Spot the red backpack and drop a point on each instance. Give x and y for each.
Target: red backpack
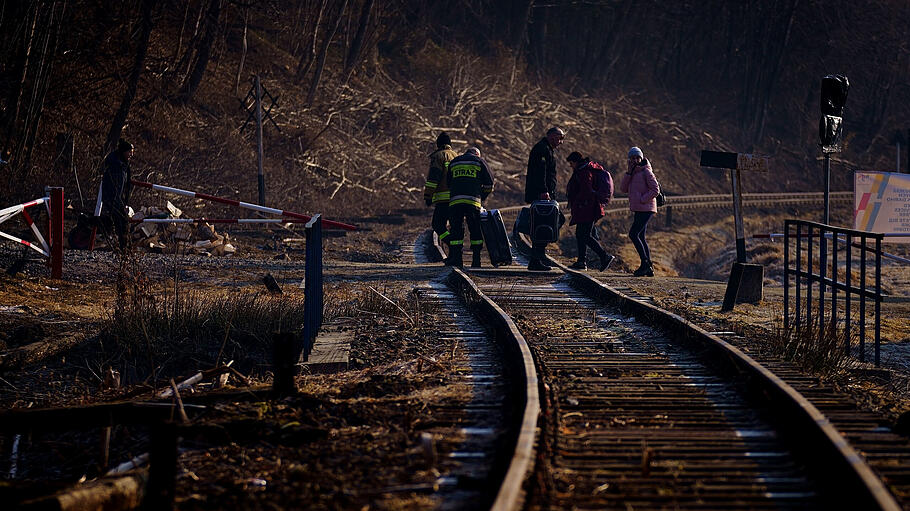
(603, 183)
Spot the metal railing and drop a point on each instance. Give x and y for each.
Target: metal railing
(312, 286)
(817, 237)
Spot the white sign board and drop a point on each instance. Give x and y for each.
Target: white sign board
(881, 203)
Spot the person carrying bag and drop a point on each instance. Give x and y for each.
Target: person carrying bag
(641, 185)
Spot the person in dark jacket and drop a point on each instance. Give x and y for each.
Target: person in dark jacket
(470, 182)
(589, 191)
(436, 191)
(540, 184)
(641, 185)
(116, 189)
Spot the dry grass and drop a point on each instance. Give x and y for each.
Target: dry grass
(818, 351)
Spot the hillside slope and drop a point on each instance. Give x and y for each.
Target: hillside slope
(359, 148)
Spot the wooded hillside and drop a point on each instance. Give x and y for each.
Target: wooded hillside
(364, 86)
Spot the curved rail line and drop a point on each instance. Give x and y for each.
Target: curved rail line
(782, 452)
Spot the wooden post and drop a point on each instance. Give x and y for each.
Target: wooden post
(259, 140)
(738, 216)
(284, 348)
(56, 232)
(162, 467)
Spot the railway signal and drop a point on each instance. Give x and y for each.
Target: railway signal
(831, 126)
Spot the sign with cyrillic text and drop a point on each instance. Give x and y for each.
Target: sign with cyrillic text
(882, 204)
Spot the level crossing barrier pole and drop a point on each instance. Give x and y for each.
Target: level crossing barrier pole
(312, 286)
(240, 204)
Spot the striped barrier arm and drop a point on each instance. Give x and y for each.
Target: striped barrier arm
(219, 221)
(241, 204)
(10, 212)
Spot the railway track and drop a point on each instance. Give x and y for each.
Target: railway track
(705, 201)
(671, 417)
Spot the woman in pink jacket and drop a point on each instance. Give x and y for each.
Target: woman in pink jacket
(641, 185)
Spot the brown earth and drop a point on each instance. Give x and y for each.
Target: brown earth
(350, 439)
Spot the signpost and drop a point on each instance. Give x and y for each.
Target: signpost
(745, 284)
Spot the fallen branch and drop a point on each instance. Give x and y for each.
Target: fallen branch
(180, 410)
(189, 382)
(386, 298)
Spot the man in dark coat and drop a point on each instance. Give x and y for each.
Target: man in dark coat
(540, 184)
(115, 191)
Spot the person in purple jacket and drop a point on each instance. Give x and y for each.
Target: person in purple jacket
(641, 185)
(589, 191)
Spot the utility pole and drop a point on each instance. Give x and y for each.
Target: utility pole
(256, 111)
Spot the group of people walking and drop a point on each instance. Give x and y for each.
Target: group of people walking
(457, 185)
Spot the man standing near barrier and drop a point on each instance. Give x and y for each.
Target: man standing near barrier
(115, 192)
(470, 182)
(436, 191)
(540, 184)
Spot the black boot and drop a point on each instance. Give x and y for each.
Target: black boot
(579, 265)
(541, 256)
(645, 270)
(536, 265)
(475, 260)
(454, 258)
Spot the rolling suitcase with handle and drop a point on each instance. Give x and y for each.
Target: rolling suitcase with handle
(495, 237)
(545, 221)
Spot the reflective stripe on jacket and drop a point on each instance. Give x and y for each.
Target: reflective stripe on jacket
(469, 180)
(436, 188)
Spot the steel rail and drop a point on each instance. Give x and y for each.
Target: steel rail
(510, 496)
(718, 200)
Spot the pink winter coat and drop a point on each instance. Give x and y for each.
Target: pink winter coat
(642, 188)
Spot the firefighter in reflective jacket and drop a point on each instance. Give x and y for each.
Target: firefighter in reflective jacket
(436, 191)
(470, 181)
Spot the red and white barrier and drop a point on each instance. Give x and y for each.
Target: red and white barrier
(219, 221)
(245, 205)
(51, 248)
(10, 212)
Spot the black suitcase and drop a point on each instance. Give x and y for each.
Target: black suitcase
(523, 222)
(495, 237)
(545, 221)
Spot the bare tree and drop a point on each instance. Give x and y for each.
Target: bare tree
(203, 51)
(146, 24)
(323, 53)
(354, 52)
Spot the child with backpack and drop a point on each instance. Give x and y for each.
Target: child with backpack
(589, 191)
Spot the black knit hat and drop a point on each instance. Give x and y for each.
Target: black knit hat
(575, 156)
(443, 140)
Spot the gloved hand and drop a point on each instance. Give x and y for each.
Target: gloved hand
(428, 201)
